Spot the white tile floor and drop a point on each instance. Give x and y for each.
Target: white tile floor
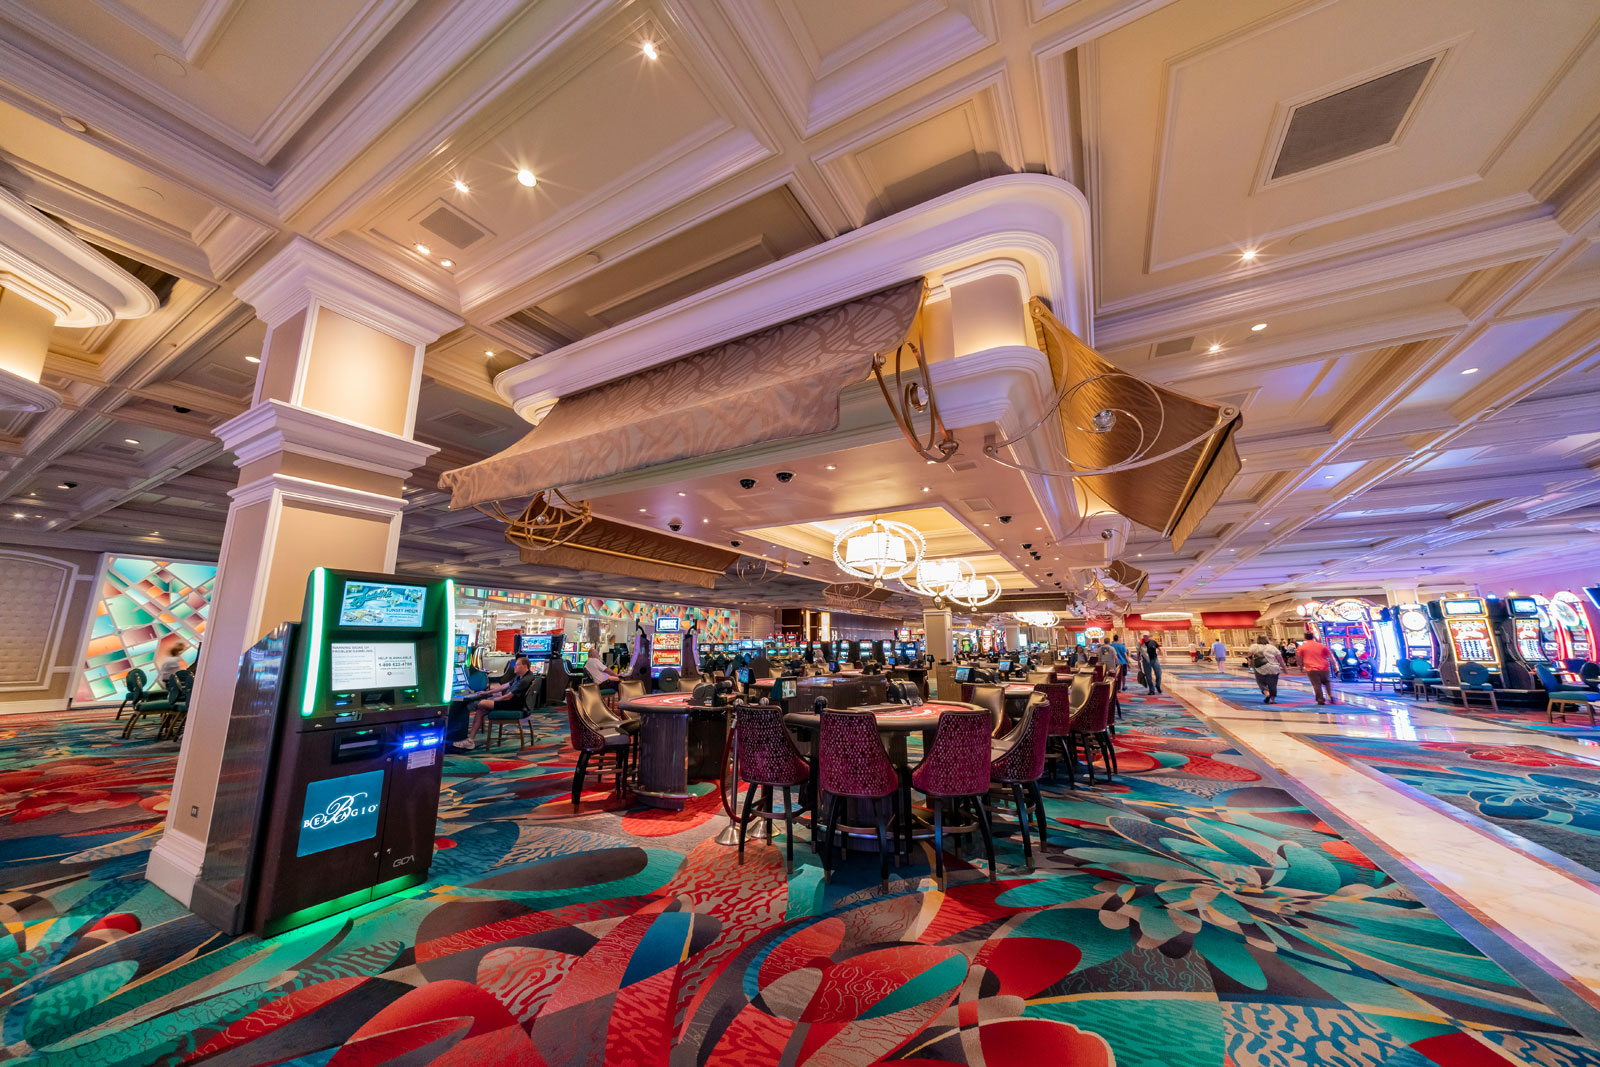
(1554, 914)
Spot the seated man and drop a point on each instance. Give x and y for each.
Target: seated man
(600, 674)
(501, 696)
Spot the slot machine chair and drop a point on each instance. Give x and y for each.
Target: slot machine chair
(500, 718)
(1474, 678)
(1564, 698)
(1423, 676)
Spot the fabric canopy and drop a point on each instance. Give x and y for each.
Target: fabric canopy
(777, 384)
(1171, 495)
(617, 548)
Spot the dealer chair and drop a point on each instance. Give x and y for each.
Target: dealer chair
(590, 741)
(593, 703)
(1091, 728)
(1057, 712)
(991, 698)
(668, 681)
(1474, 678)
(1563, 697)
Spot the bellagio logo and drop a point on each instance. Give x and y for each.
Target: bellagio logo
(340, 811)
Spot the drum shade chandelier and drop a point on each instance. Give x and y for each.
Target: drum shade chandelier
(1041, 619)
(973, 592)
(878, 550)
(932, 577)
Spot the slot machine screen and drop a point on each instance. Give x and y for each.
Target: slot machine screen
(1530, 642)
(534, 645)
(1523, 605)
(1463, 607)
(1471, 641)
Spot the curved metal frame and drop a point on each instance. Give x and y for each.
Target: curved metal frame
(916, 397)
(542, 524)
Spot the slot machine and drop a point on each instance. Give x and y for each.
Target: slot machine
(1345, 626)
(331, 765)
(666, 645)
(1516, 629)
(1465, 635)
(1403, 633)
(1573, 634)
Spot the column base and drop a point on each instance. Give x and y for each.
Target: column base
(175, 863)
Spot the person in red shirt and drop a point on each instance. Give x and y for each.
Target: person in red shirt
(1315, 659)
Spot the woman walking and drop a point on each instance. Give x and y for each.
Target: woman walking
(1267, 663)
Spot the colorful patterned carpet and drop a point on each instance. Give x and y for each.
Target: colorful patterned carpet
(1190, 915)
(1544, 796)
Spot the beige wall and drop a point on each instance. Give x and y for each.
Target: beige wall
(309, 538)
(281, 360)
(356, 373)
(48, 593)
(24, 335)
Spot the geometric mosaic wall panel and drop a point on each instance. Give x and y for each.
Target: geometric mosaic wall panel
(142, 606)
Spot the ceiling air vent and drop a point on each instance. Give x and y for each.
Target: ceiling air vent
(461, 422)
(450, 226)
(978, 503)
(1175, 347)
(1354, 120)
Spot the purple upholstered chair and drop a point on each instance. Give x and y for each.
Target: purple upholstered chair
(1091, 727)
(591, 739)
(1058, 712)
(956, 767)
(768, 759)
(1017, 760)
(852, 763)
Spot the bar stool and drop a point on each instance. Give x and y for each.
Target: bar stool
(852, 764)
(590, 739)
(956, 767)
(768, 759)
(1017, 761)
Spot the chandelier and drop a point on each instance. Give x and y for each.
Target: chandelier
(878, 550)
(1041, 619)
(932, 577)
(973, 592)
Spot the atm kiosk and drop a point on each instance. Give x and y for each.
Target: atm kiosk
(1465, 636)
(329, 791)
(1516, 629)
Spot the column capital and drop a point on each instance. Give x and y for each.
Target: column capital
(273, 426)
(305, 273)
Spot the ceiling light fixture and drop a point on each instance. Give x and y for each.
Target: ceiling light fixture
(925, 488)
(75, 125)
(1258, 327)
(1214, 347)
(526, 178)
(830, 467)
(1470, 370)
(252, 359)
(649, 50)
(682, 493)
(461, 186)
(424, 249)
(1248, 255)
(130, 440)
(878, 549)
(447, 263)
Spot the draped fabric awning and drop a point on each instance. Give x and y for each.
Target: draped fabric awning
(617, 548)
(1128, 576)
(1172, 494)
(777, 384)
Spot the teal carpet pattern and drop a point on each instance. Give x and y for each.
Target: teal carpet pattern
(1188, 913)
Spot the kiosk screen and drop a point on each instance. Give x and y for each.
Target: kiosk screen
(390, 665)
(381, 604)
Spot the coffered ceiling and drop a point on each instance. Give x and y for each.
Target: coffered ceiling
(1405, 195)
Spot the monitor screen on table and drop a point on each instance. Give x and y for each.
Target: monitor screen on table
(1005, 665)
(963, 673)
(788, 687)
(746, 676)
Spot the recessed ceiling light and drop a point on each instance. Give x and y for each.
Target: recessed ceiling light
(1470, 370)
(705, 520)
(424, 249)
(1214, 347)
(130, 440)
(75, 125)
(1328, 477)
(66, 485)
(461, 186)
(682, 493)
(643, 510)
(447, 263)
(18, 515)
(489, 352)
(1258, 327)
(649, 50)
(1248, 254)
(830, 467)
(252, 359)
(526, 178)
(925, 488)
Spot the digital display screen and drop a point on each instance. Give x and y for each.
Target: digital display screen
(535, 644)
(1530, 642)
(340, 811)
(667, 624)
(1523, 605)
(963, 673)
(1463, 607)
(1005, 665)
(388, 665)
(787, 687)
(746, 676)
(1471, 641)
(381, 604)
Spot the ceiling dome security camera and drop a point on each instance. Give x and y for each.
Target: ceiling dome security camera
(674, 525)
(1106, 535)
(1005, 518)
(785, 476)
(735, 544)
(747, 483)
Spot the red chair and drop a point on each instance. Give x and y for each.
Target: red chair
(956, 767)
(769, 759)
(1091, 726)
(1017, 761)
(852, 763)
(591, 739)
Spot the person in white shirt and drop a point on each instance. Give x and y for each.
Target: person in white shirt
(172, 662)
(599, 673)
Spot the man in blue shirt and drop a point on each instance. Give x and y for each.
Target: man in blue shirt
(1120, 649)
